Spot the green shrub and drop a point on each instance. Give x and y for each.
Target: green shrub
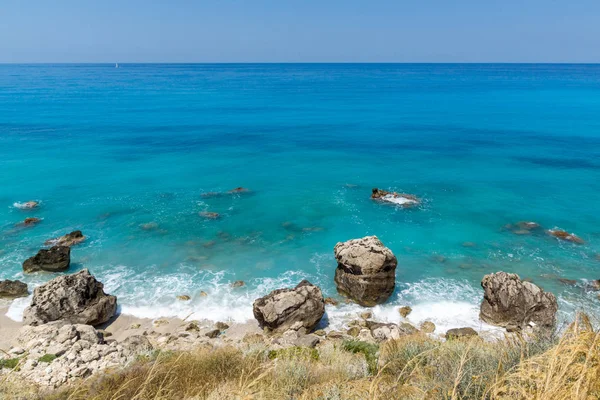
(47, 358)
(9, 363)
(369, 350)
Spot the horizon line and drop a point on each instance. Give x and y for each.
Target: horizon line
(298, 62)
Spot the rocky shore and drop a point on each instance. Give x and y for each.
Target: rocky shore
(72, 330)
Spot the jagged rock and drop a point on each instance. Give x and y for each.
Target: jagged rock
(55, 259)
(404, 311)
(366, 270)
(460, 333)
(283, 309)
(13, 289)
(77, 298)
(183, 297)
(401, 199)
(70, 239)
(510, 302)
(238, 284)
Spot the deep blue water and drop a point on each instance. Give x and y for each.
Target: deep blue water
(108, 149)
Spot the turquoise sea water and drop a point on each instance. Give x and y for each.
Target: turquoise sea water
(108, 149)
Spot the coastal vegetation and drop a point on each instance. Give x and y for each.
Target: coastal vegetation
(411, 367)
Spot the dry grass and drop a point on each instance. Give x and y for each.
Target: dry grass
(414, 367)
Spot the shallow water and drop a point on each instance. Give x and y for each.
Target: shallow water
(108, 150)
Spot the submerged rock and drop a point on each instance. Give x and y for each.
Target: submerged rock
(401, 199)
(564, 235)
(511, 303)
(209, 215)
(13, 289)
(31, 221)
(238, 284)
(70, 239)
(297, 308)
(55, 259)
(238, 190)
(76, 298)
(366, 270)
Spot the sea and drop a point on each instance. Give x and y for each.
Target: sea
(137, 157)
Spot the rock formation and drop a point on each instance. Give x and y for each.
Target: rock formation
(283, 309)
(55, 259)
(366, 270)
(401, 199)
(514, 304)
(68, 240)
(13, 289)
(77, 298)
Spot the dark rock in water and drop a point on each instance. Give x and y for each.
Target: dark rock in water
(184, 297)
(299, 308)
(469, 244)
(209, 215)
(77, 298)
(55, 259)
(13, 289)
(510, 302)
(331, 301)
(460, 333)
(366, 270)
(29, 222)
(239, 190)
(238, 284)
(564, 235)
(524, 228)
(568, 282)
(401, 199)
(70, 239)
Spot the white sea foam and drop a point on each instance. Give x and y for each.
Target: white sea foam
(26, 204)
(399, 200)
(16, 308)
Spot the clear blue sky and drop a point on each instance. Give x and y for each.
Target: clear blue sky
(299, 31)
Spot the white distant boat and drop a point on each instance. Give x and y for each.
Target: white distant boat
(116, 65)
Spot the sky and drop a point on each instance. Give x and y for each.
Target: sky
(299, 31)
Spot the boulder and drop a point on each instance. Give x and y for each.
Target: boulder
(512, 303)
(460, 333)
(427, 327)
(13, 289)
(297, 308)
(387, 331)
(77, 299)
(366, 270)
(68, 240)
(55, 259)
(401, 199)
(404, 311)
